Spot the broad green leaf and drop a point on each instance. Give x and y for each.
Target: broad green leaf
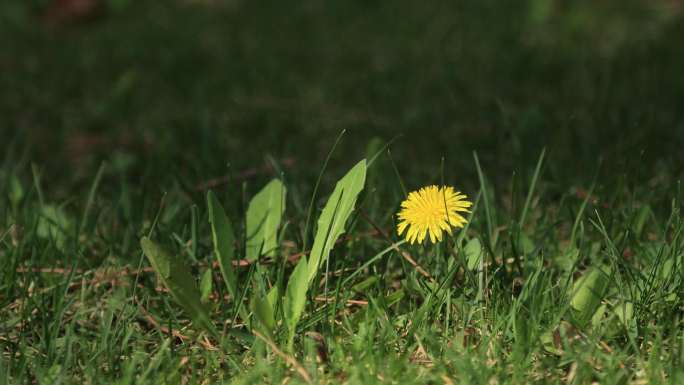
(224, 238)
(335, 214)
(263, 219)
(473, 252)
(625, 312)
(599, 316)
(176, 277)
(263, 309)
(588, 291)
(622, 320)
(295, 298)
(272, 297)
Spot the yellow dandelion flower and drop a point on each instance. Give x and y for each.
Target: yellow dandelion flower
(432, 210)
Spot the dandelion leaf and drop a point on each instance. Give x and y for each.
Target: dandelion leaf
(223, 238)
(334, 216)
(176, 277)
(295, 298)
(264, 214)
(588, 292)
(473, 252)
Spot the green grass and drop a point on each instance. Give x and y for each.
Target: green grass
(570, 270)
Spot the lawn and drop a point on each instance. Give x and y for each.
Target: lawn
(201, 192)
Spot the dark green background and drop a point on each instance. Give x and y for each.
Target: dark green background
(181, 89)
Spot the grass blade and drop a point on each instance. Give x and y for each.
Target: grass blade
(485, 196)
(91, 198)
(528, 200)
(309, 212)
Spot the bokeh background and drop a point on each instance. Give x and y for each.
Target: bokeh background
(185, 91)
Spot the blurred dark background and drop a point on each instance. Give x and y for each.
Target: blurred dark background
(192, 90)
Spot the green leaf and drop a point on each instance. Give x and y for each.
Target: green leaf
(224, 239)
(588, 291)
(625, 312)
(263, 309)
(295, 298)
(176, 277)
(473, 252)
(599, 316)
(272, 297)
(335, 214)
(263, 219)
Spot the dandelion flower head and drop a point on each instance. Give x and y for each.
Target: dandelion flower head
(432, 210)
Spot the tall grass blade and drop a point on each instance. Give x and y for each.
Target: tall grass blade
(485, 196)
(91, 198)
(535, 177)
(309, 212)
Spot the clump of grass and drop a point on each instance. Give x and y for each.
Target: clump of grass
(576, 288)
